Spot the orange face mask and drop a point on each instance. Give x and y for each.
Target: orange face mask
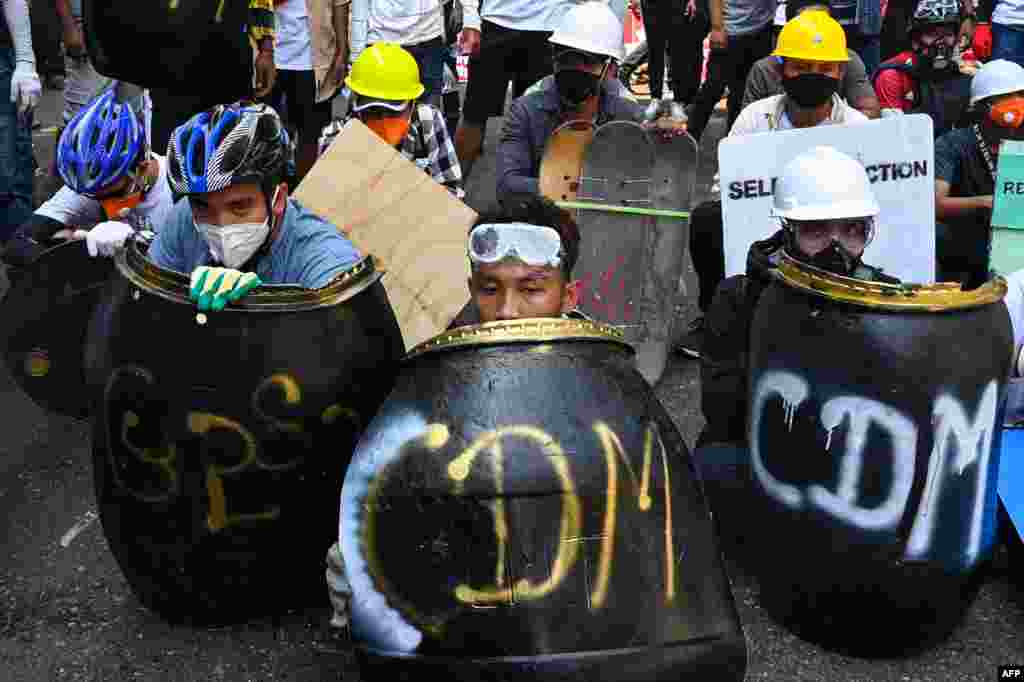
(391, 129)
(114, 205)
(1008, 113)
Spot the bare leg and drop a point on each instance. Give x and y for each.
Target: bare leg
(469, 140)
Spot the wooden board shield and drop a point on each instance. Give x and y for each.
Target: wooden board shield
(46, 317)
(563, 160)
(614, 254)
(414, 228)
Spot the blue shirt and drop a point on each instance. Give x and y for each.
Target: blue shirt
(308, 251)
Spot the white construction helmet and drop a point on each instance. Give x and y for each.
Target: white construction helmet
(824, 184)
(591, 27)
(999, 77)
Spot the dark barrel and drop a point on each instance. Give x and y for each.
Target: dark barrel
(220, 440)
(46, 314)
(874, 445)
(522, 508)
(190, 39)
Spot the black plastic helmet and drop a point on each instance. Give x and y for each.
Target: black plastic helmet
(227, 145)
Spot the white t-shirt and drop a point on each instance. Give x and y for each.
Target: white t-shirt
(526, 15)
(769, 114)
(293, 44)
(75, 210)
(404, 21)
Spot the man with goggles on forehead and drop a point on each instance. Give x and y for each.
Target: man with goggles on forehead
(237, 228)
(585, 48)
(111, 180)
(521, 260)
(824, 201)
(385, 84)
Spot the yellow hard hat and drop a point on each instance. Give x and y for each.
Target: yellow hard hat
(385, 71)
(813, 35)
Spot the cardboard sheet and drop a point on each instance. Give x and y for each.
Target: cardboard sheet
(414, 228)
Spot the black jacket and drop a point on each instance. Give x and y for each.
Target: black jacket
(724, 365)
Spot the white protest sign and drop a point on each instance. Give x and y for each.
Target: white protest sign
(899, 156)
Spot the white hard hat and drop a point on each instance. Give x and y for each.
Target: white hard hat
(591, 27)
(998, 77)
(824, 184)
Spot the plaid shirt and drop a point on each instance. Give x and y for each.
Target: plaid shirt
(427, 144)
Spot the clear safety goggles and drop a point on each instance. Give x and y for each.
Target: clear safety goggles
(362, 103)
(854, 234)
(535, 245)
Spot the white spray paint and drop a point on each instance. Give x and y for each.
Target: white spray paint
(971, 439)
(973, 443)
(372, 618)
(793, 390)
(842, 504)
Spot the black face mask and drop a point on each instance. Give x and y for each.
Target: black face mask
(810, 90)
(575, 86)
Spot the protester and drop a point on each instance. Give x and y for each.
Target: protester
(521, 261)
(965, 170)
(681, 27)
(19, 78)
(585, 46)
(862, 22)
(82, 82)
(311, 57)
(386, 85)
(238, 228)
(828, 213)
(1008, 31)
(242, 77)
(927, 79)
(419, 26)
(508, 44)
(813, 50)
(738, 39)
(46, 35)
(111, 181)
(765, 77)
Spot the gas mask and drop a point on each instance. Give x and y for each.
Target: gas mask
(575, 84)
(834, 258)
(937, 56)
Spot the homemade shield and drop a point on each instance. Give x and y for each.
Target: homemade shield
(634, 194)
(191, 39)
(522, 508)
(414, 228)
(874, 450)
(220, 440)
(1006, 251)
(562, 162)
(46, 314)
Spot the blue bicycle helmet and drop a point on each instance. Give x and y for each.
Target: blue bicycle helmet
(102, 143)
(227, 145)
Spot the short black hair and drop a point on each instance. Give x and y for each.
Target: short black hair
(794, 7)
(537, 210)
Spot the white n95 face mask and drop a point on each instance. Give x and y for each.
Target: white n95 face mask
(235, 244)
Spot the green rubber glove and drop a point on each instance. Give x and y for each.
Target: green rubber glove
(214, 288)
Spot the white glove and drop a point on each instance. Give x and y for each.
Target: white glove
(108, 237)
(25, 87)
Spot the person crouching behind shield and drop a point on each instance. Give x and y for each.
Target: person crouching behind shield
(385, 84)
(521, 260)
(828, 212)
(237, 228)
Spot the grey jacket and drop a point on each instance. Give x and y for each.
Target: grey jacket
(529, 124)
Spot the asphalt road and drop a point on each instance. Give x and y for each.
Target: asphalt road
(66, 612)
